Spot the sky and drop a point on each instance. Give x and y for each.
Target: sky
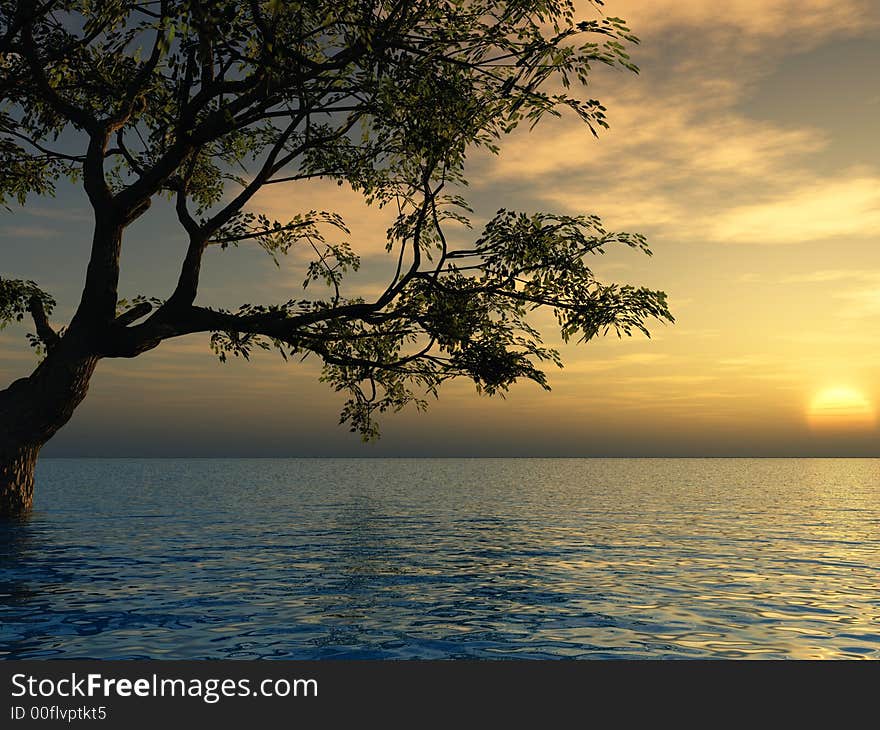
(745, 150)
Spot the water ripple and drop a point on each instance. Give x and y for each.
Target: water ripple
(399, 559)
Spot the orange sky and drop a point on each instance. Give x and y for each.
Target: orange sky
(746, 151)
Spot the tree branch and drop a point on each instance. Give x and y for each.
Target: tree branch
(67, 109)
(133, 314)
(45, 332)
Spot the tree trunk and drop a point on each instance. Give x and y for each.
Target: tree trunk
(31, 411)
(17, 481)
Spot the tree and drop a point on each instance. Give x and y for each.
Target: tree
(208, 101)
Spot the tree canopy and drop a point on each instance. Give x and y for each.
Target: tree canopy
(208, 101)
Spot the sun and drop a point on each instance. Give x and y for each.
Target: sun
(841, 407)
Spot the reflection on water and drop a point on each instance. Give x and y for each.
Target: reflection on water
(494, 558)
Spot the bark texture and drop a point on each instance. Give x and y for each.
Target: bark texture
(17, 481)
(32, 409)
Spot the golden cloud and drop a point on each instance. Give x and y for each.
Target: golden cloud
(817, 211)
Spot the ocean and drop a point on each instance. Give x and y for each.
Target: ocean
(445, 559)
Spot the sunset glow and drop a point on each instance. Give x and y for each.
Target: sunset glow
(841, 407)
(761, 206)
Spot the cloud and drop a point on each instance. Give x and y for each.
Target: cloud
(860, 303)
(643, 358)
(28, 232)
(748, 362)
(827, 209)
(684, 158)
(673, 166)
(59, 214)
(832, 339)
(671, 170)
(820, 276)
(697, 333)
(831, 275)
(674, 160)
(588, 365)
(672, 379)
(668, 139)
(367, 223)
(761, 19)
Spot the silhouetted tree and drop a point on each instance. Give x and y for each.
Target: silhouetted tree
(208, 101)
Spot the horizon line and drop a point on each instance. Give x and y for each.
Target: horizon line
(368, 458)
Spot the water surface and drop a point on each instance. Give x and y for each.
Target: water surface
(445, 558)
